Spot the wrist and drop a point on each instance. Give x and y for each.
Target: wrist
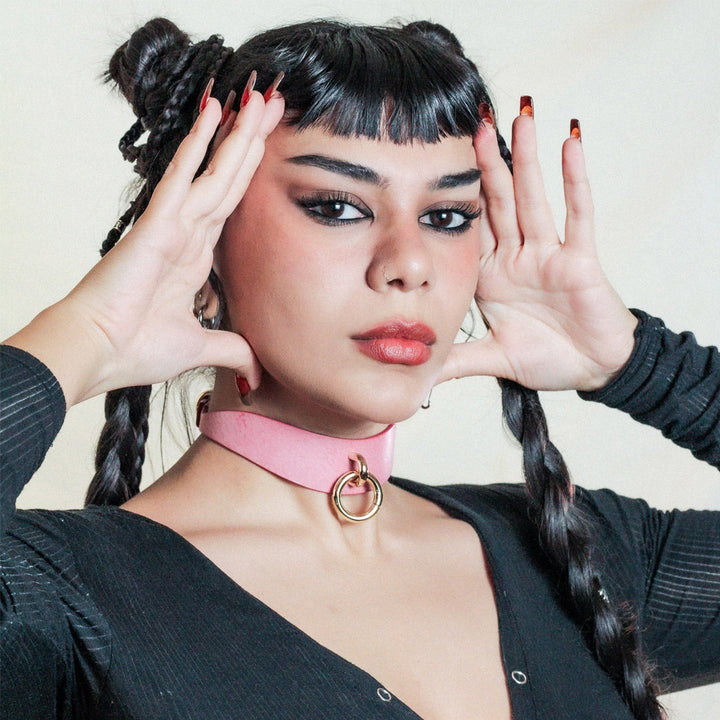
(70, 348)
(622, 349)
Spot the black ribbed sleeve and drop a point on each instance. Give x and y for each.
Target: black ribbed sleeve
(32, 410)
(671, 383)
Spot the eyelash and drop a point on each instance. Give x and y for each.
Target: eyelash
(308, 202)
(466, 210)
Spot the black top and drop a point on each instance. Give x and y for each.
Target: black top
(106, 614)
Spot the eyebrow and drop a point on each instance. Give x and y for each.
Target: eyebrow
(462, 179)
(368, 175)
(351, 170)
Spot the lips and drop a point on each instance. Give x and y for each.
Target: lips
(397, 342)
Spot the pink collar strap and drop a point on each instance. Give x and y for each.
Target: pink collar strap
(317, 462)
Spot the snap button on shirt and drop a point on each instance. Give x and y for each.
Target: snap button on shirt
(519, 677)
(384, 695)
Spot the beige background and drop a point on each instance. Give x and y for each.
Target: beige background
(641, 76)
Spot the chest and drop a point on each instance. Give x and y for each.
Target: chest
(252, 635)
(421, 622)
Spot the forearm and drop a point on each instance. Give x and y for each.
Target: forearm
(671, 383)
(63, 341)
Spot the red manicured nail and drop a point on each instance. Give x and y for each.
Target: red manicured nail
(575, 129)
(206, 95)
(248, 89)
(487, 116)
(243, 385)
(227, 107)
(526, 106)
(274, 85)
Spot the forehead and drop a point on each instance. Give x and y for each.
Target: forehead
(414, 161)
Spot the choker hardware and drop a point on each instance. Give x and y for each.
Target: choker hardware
(357, 477)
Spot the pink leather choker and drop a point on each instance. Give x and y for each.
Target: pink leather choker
(337, 466)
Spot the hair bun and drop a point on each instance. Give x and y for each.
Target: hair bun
(439, 33)
(143, 66)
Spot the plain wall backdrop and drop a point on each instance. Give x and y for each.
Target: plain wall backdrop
(641, 76)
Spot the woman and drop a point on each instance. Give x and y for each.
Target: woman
(346, 262)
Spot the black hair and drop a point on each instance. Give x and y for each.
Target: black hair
(403, 83)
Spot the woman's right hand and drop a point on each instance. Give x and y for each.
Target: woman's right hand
(130, 320)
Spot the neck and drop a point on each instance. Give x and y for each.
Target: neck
(281, 403)
(308, 459)
(335, 466)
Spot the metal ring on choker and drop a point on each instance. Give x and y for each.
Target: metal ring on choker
(357, 477)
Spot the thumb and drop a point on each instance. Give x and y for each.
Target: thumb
(477, 357)
(230, 350)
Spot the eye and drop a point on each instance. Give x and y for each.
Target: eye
(445, 219)
(451, 219)
(334, 208)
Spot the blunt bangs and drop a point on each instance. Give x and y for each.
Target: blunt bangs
(401, 83)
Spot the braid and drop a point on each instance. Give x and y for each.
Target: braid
(565, 536)
(160, 72)
(128, 140)
(205, 60)
(121, 448)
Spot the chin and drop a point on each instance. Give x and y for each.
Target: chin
(388, 408)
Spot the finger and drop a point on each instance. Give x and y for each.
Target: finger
(181, 170)
(227, 120)
(231, 153)
(533, 211)
(579, 221)
(496, 181)
(488, 241)
(228, 349)
(273, 113)
(220, 188)
(478, 357)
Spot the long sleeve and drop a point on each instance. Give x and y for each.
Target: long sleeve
(667, 563)
(32, 410)
(673, 384)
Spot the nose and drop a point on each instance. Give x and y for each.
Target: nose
(402, 259)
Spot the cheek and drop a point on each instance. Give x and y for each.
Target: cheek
(461, 275)
(278, 291)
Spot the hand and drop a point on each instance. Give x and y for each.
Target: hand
(130, 320)
(554, 321)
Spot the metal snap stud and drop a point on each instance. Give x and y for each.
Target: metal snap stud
(519, 677)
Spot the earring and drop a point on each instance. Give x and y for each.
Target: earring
(200, 307)
(426, 404)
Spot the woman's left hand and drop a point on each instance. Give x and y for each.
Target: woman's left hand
(554, 321)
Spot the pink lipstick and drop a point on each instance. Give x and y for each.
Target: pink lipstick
(397, 342)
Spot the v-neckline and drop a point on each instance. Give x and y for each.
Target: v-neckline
(427, 492)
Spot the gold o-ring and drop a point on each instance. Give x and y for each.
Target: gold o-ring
(357, 477)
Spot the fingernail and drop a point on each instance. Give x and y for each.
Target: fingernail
(575, 129)
(486, 114)
(274, 85)
(206, 95)
(243, 385)
(526, 106)
(248, 89)
(227, 107)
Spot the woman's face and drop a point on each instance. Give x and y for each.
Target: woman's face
(349, 267)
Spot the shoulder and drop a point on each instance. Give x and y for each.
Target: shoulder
(618, 525)
(54, 540)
